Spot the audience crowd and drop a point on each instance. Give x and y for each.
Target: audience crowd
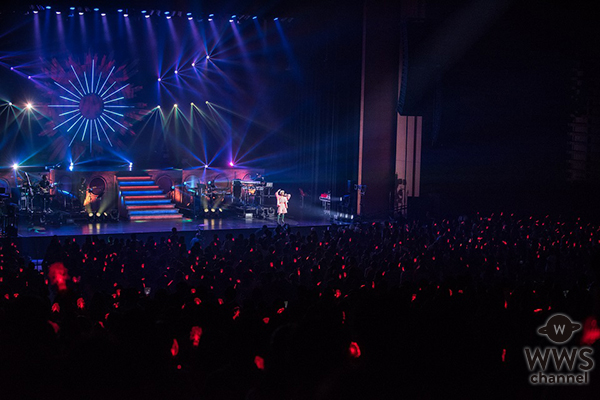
(415, 310)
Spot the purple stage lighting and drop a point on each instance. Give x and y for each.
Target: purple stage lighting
(176, 72)
(231, 163)
(126, 15)
(80, 12)
(168, 17)
(103, 14)
(193, 64)
(210, 20)
(230, 20)
(147, 16)
(29, 77)
(159, 79)
(58, 13)
(208, 57)
(190, 18)
(12, 68)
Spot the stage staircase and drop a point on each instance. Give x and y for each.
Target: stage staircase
(143, 199)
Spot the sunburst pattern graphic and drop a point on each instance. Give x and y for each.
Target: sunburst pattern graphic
(90, 102)
(93, 106)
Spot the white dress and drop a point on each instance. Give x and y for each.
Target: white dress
(282, 203)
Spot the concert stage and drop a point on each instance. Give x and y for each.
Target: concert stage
(35, 239)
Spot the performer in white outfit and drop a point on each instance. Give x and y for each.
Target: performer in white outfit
(282, 205)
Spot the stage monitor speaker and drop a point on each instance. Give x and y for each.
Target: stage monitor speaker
(237, 188)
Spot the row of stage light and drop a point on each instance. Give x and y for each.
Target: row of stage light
(30, 106)
(16, 166)
(149, 13)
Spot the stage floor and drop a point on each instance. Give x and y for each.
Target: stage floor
(157, 226)
(34, 240)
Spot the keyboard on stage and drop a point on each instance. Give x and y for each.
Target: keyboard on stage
(256, 183)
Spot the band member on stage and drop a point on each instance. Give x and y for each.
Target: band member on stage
(44, 186)
(282, 205)
(82, 191)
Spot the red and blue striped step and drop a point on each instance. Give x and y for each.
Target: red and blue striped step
(143, 199)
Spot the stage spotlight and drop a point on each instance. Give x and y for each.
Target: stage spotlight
(72, 8)
(98, 214)
(35, 11)
(168, 17)
(10, 103)
(48, 7)
(188, 14)
(192, 103)
(159, 79)
(167, 12)
(12, 68)
(80, 12)
(190, 18)
(96, 9)
(175, 105)
(230, 20)
(233, 16)
(143, 11)
(211, 15)
(158, 106)
(254, 17)
(28, 106)
(193, 64)
(212, 210)
(275, 19)
(206, 210)
(206, 101)
(58, 13)
(15, 166)
(210, 20)
(205, 166)
(28, 77)
(103, 14)
(130, 166)
(120, 10)
(126, 15)
(147, 16)
(176, 72)
(71, 166)
(91, 215)
(208, 56)
(231, 163)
